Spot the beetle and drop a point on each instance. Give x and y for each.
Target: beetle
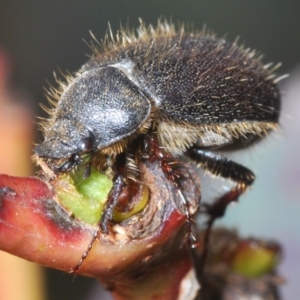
(162, 94)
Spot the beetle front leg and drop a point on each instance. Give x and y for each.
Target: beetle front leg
(111, 203)
(107, 213)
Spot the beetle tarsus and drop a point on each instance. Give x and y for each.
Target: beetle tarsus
(87, 251)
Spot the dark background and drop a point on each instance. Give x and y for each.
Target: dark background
(45, 36)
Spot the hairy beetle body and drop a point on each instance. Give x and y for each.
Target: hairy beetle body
(163, 94)
(201, 88)
(196, 89)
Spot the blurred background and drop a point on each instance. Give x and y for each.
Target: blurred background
(39, 37)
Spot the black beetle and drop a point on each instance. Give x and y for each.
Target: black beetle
(162, 94)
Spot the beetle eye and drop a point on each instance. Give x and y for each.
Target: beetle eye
(86, 144)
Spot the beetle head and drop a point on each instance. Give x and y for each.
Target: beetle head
(100, 110)
(65, 143)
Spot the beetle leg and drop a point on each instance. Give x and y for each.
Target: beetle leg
(111, 203)
(73, 161)
(221, 166)
(215, 211)
(226, 168)
(109, 206)
(127, 170)
(175, 172)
